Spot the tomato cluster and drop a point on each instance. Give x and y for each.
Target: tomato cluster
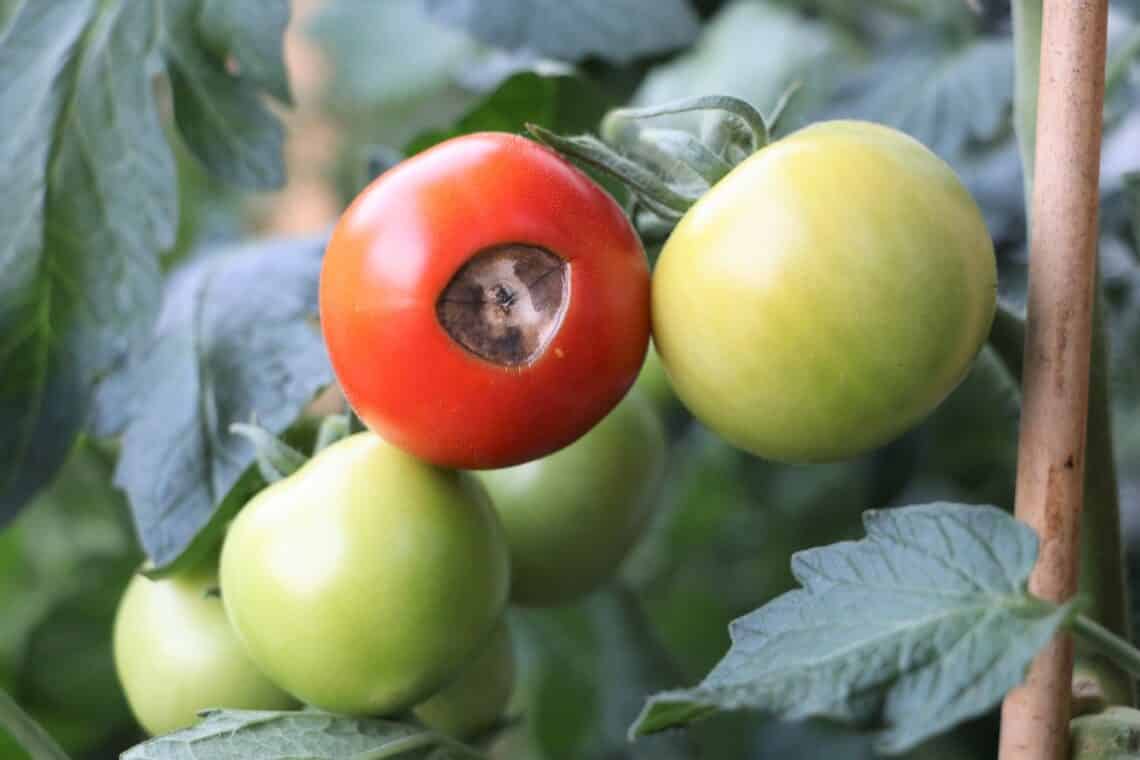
(486, 307)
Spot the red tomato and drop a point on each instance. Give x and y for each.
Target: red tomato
(484, 303)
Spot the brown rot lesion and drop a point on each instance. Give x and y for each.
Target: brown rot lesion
(506, 303)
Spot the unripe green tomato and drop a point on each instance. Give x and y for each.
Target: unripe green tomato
(365, 580)
(654, 383)
(176, 654)
(474, 700)
(825, 295)
(572, 517)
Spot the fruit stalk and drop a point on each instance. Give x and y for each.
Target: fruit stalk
(1058, 346)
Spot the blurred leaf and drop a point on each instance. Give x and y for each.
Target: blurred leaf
(728, 521)
(88, 199)
(754, 51)
(237, 339)
(64, 563)
(923, 624)
(944, 97)
(386, 51)
(253, 38)
(570, 30)
(220, 115)
(969, 443)
(562, 102)
(312, 735)
(587, 669)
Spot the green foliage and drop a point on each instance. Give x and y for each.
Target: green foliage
(920, 625)
(236, 340)
(65, 561)
(89, 197)
(313, 735)
(570, 30)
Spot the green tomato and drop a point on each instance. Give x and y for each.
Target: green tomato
(654, 383)
(571, 517)
(176, 654)
(473, 701)
(365, 580)
(825, 295)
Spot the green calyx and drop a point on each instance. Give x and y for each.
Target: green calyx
(668, 169)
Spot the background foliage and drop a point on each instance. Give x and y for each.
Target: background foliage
(136, 323)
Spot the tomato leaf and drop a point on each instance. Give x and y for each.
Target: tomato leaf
(753, 51)
(561, 102)
(945, 98)
(922, 624)
(253, 38)
(570, 30)
(220, 115)
(88, 199)
(236, 339)
(313, 735)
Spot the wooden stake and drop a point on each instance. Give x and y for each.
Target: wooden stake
(1055, 383)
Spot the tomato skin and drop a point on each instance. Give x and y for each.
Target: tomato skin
(176, 654)
(653, 382)
(365, 580)
(474, 700)
(826, 295)
(572, 517)
(397, 247)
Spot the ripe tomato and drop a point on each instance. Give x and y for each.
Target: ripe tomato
(484, 303)
(474, 700)
(365, 580)
(572, 517)
(176, 654)
(825, 295)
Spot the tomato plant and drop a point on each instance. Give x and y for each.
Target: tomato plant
(826, 295)
(398, 347)
(571, 517)
(484, 303)
(176, 654)
(317, 569)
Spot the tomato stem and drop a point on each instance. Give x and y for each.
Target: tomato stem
(742, 109)
(27, 733)
(1102, 640)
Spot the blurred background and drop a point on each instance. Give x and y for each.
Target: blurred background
(373, 80)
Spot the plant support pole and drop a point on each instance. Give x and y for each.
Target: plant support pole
(1055, 382)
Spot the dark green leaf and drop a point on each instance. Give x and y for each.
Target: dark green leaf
(587, 670)
(560, 102)
(237, 338)
(87, 200)
(219, 114)
(252, 34)
(945, 98)
(570, 30)
(311, 735)
(924, 623)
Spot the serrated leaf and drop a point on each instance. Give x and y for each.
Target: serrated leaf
(570, 30)
(220, 115)
(311, 735)
(237, 339)
(86, 201)
(943, 97)
(922, 624)
(252, 34)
